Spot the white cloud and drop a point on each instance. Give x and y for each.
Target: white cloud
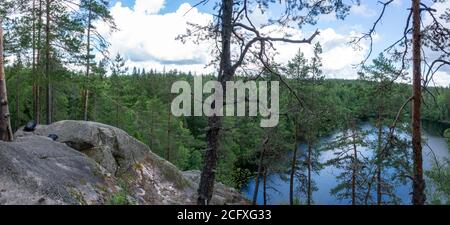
(148, 6)
(338, 56)
(442, 77)
(147, 39)
(362, 10)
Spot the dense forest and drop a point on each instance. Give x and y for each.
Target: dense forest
(138, 101)
(51, 75)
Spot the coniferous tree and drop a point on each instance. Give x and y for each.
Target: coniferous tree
(5, 122)
(94, 11)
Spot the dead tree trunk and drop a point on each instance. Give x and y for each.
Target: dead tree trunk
(5, 123)
(418, 197)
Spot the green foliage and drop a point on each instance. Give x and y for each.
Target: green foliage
(447, 137)
(120, 197)
(139, 103)
(440, 185)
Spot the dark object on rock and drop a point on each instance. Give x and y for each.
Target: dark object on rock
(41, 200)
(30, 127)
(53, 136)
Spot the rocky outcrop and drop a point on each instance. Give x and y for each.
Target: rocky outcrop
(93, 163)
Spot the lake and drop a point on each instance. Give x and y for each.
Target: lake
(278, 188)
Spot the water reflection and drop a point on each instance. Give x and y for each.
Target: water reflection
(435, 148)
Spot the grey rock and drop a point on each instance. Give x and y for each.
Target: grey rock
(35, 167)
(223, 195)
(93, 163)
(111, 147)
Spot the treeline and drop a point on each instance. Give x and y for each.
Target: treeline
(52, 75)
(138, 101)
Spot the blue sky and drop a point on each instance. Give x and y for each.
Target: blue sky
(169, 21)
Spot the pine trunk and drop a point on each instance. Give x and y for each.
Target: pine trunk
(418, 197)
(379, 158)
(260, 170)
(355, 161)
(265, 186)
(293, 168)
(33, 68)
(206, 186)
(88, 66)
(5, 123)
(47, 65)
(309, 174)
(169, 130)
(354, 171)
(37, 100)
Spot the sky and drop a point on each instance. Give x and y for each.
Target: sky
(148, 30)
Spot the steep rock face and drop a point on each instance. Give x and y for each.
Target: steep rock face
(93, 163)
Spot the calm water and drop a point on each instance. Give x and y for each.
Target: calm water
(278, 188)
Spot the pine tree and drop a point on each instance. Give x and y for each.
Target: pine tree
(5, 123)
(93, 11)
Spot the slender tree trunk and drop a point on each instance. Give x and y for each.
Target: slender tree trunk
(354, 171)
(206, 186)
(17, 121)
(169, 130)
(309, 174)
(265, 186)
(52, 96)
(33, 68)
(293, 168)
(47, 65)
(94, 105)
(5, 122)
(259, 174)
(88, 66)
(117, 114)
(418, 197)
(150, 138)
(37, 100)
(355, 161)
(379, 159)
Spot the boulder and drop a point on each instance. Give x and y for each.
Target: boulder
(111, 147)
(93, 163)
(37, 170)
